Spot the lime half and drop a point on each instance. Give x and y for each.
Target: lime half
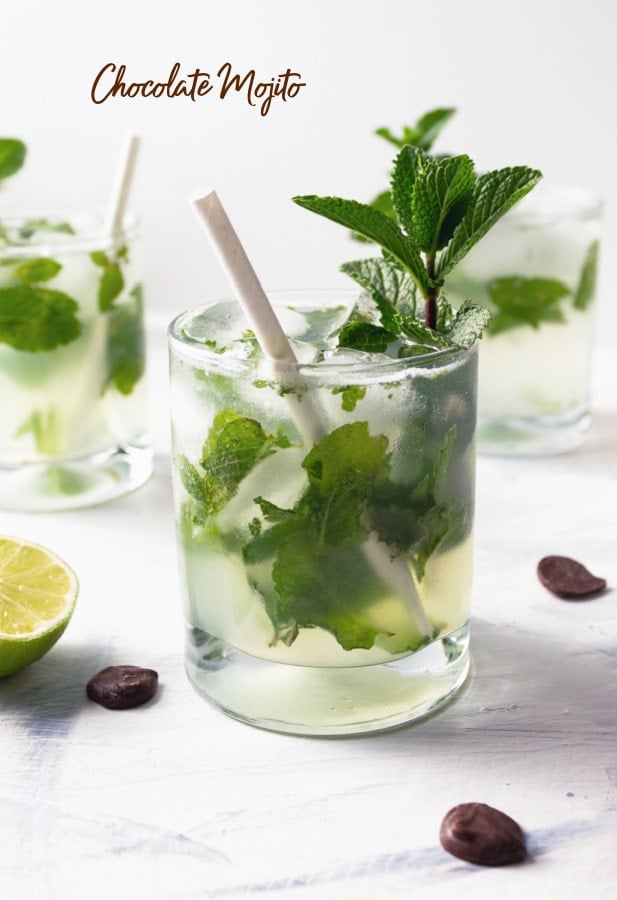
(37, 597)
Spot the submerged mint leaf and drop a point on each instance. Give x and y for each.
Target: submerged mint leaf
(525, 301)
(44, 426)
(234, 446)
(586, 288)
(37, 319)
(350, 395)
(12, 156)
(372, 224)
(126, 344)
(112, 279)
(31, 226)
(35, 270)
(493, 195)
(440, 522)
(441, 193)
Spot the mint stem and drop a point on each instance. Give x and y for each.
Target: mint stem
(430, 303)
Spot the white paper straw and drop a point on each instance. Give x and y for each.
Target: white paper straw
(118, 200)
(273, 341)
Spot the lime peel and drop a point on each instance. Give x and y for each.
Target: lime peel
(38, 592)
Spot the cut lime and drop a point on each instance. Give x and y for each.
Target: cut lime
(37, 597)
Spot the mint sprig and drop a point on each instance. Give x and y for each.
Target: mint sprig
(423, 133)
(525, 301)
(443, 209)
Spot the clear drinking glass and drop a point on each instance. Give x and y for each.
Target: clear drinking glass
(73, 428)
(536, 271)
(326, 577)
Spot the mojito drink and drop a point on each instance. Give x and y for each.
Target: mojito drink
(72, 358)
(326, 570)
(536, 272)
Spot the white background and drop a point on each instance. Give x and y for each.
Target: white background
(533, 81)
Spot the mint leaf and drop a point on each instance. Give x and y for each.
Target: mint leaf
(350, 396)
(37, 319)
(365, 337)
(372, 224)
(586, 288)
(425, 131)
(525, 301)
(234, 446)
(441, 193)
(126, 344)
(403, 180)
(389, 286)
(12, 156)
(44, 426)
(441, 521)
(469, 324)
(493, 195)
(112, 279)
(31, 226)
(36, 270)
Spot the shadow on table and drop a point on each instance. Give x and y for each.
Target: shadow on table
(47, 695)
(526, 694)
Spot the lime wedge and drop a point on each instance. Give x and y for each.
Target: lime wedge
(37, 597)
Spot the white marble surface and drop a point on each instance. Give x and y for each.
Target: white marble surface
(175, 801)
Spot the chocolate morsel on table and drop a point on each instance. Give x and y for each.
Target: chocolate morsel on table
(480, 834)
(122, 687)
(568, 579)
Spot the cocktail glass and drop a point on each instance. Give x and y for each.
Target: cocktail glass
(326, 580)
(536, 271)
(73, 428)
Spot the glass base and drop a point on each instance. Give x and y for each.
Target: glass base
(74, 483)
(327, 701)
(541, 436)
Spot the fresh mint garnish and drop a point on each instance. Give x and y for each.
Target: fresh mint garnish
(525, 301)
(585, 290)
(425, 131)
(351, 395)
(442, 210)
(12, 156)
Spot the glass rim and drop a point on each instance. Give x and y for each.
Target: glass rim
(91, 237)
(197, 352)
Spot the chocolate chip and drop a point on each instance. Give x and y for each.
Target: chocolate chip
(480, 834)
(567, 578)
(123, 687)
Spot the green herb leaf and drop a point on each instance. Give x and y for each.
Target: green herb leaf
(112, 279)
(366, 337)
(441, 193)
(37, 319)
(406, 166)
(469, 324)
(37, 270)
(390, 287)
(12, 156)
(126, 345)
(350, 395)
(525, 301)
(425, 131)
(44, 426)
(375, 226)
(586, 289)
(493, 195)
(31, 226)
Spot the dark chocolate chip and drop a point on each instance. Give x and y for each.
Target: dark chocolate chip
(480, 834)
(567, 578)
(123, 687)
